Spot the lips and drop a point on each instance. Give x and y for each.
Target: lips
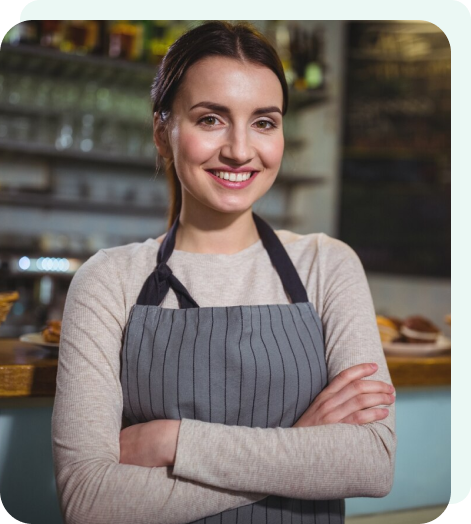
(223, 177)
(231, 175)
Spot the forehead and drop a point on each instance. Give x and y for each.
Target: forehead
(231, 82)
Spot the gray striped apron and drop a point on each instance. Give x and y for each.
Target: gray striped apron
(257, 366)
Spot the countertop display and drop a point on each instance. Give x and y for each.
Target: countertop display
(29, 370)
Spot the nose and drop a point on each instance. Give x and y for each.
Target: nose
(238, 147)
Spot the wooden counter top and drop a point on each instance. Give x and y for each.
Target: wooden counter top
(26, 370)
(30, 371)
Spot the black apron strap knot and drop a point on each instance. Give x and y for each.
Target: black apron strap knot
(163, 272)
(157, 285)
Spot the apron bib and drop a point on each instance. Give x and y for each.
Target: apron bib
(257, 366)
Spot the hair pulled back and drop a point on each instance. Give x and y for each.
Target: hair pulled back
(240, 41)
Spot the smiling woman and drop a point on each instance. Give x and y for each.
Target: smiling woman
(224, 372)
(230, 129)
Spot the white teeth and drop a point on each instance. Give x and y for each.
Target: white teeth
(233, 177)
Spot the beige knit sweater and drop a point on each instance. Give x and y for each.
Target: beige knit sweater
(217, 467)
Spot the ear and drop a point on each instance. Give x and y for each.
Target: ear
(161, 137)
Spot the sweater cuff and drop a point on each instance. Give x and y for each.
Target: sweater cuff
(193, 440)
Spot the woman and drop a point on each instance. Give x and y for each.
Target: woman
(226, 383)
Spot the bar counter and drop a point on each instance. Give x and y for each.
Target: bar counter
(30, 371)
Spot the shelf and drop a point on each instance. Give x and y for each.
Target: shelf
(99, 117)
(299, 180)
(388, 153)
(50, 152)
(437, 54)
(304, 99)
(32, 59)
(48, 202)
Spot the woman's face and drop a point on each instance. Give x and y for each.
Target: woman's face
(225, 122)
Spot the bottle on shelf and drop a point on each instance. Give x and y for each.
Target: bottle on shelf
(315, 68)
(52, 33)
(306, 51)
(80, 36)
(278, 33)
(125, 39)
(157, 40)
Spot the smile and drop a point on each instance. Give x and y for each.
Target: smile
(233, 177)
(233, 180)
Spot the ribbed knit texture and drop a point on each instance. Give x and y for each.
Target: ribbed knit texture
(217, 467)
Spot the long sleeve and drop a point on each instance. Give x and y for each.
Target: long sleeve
(322, 462)
(87, 419)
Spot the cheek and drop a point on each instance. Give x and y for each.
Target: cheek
(273, 152)
(193, 148)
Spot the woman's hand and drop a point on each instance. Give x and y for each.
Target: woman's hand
(150, 444)
(349, 399)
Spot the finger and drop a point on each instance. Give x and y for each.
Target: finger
(351, 374)
(360, 402)
(354, 389)
(367, 415)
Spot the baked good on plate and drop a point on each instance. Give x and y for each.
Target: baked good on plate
(52, 332)
(419, 330)
(388, 328)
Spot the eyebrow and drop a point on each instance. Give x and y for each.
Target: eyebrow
(223, 109)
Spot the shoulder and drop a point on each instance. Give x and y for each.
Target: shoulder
(316, 247)
(119, 263)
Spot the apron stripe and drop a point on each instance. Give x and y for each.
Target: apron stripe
(305, 352)
(178, 368)
(283, 364)
(323, 379)
(255, 367)
(151, 363)
(241, 368)
(163, 368)
(295, 361)
(137, 366)
(194, 358)
(127, 356)
(269, 367)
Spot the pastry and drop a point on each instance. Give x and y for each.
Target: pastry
(6, 302)
(388, 328)
(52, 332)
(419, 330)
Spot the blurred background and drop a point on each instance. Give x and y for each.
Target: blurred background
(367, 161)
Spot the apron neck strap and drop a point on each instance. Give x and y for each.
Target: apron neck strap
(158, 283)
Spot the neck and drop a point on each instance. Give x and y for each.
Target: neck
(209, 231)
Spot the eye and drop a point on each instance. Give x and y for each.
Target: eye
(265, 124)
(209, 121)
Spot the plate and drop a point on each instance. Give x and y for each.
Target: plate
(38, 340)
(401, 349)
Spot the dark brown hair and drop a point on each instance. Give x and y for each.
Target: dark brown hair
(240, 41)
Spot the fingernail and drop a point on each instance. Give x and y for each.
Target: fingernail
(374, 366)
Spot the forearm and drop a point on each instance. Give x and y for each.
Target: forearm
(94, 487)
(105, 493)
(322, 462)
